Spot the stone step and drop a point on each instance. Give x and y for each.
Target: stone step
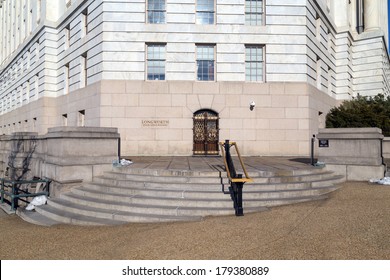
(318, 183)
(158, 192)
(75, 206)
(128, 194)
(255, 186)
(36, 218)
(165, 210)
(165, 179)
(223, 202)
(220, 171)
(212, 179)
(286, 201)
(115, 193)
(65, 217)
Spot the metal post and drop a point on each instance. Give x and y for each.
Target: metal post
(2, 190)
(238, 194)
(229, 160)
(313, 139)
(14, 199)
(119, 149)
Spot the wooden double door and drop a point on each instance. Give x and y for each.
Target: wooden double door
(206, 133)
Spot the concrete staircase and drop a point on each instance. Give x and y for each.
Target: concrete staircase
(129, 194)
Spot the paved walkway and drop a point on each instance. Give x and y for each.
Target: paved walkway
(353, 224)
(213, 163)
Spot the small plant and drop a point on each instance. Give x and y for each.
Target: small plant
(362, 112)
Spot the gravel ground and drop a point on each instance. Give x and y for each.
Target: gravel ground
(353, 224)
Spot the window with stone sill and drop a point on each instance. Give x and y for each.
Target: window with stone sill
(205, 11)
(205, 62)
(254, 12)
(156, 11)
(155, 62)
(254, 63)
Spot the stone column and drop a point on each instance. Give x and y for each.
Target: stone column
(371, 14)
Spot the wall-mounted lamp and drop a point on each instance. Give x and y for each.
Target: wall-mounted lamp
(252, 105)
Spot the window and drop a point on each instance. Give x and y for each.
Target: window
(35, 121)
(81, 118)
(254, 63)
(156, 62)
(36, 87)
(319, 73)
(66, 36)
(205, 62)
(205, 12)
(156, 11)
(65, 120)
(318, 26)
(83, 70)
(254, 12)
(37, 51)
(27, 91)
(84, 23)
(66, 78)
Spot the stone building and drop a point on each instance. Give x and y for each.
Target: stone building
(177, 76)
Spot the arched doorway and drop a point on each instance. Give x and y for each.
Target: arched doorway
(206, 132)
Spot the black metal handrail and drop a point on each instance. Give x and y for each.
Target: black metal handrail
(12, 190)
(236, 180)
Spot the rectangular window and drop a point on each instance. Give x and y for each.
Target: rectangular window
(36, 87)
(254, 11)
(83, 70)
(67, 36)
(156, 11)
(37, 51)
(156, 62)
(27, 91)
(254, 62)
(84, 23)
(205, 62)
(66, 79)
(205, 12)
(81, 118)
(65, 120)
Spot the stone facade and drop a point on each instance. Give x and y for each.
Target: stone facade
(85, 63)
(355, 153)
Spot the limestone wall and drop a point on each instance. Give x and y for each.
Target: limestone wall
(355, 153)
(66, 155)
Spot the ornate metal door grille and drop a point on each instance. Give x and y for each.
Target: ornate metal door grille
(206, 133)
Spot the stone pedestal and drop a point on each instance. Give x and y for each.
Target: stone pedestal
(66, 155)
(355, 153)
(76, 154)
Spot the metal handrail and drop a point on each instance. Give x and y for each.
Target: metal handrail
(16, 193)
(235, 180)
